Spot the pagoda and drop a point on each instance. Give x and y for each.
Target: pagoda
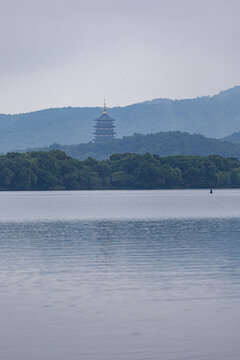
(104, 128)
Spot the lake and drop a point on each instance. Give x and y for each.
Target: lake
(125, 275)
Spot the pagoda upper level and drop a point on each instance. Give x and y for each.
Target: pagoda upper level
(104, 128)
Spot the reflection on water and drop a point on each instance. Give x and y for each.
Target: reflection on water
(129, 290)
(128, 275)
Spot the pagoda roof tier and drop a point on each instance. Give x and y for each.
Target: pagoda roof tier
(104, 126)
(99, 140)
(104, 132)
(104, 117)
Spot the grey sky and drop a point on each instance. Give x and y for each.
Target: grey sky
(58, 53)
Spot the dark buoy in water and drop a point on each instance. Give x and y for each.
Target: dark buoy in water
(211, 191)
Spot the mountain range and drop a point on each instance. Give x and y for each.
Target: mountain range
(213, 116)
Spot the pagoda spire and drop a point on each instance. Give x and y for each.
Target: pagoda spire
(104, 107)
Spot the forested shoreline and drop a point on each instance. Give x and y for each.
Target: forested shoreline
(55, 170)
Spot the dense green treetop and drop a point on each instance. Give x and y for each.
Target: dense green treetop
(55, 170)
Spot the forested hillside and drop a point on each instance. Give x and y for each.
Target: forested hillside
(55, 170)
(216, 116)
(163, 144)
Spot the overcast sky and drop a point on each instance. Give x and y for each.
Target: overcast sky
(57, 53)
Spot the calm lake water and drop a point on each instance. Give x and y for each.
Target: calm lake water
(120, 275)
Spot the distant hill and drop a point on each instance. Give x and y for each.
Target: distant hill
(216, 116)
(162, 144)
(234, 138)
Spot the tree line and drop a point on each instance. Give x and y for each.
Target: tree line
(55, 170)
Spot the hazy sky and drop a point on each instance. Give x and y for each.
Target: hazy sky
(57, 53)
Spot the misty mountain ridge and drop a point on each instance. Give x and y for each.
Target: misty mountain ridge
(234, 138)
(222, 94)
(213, 116)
